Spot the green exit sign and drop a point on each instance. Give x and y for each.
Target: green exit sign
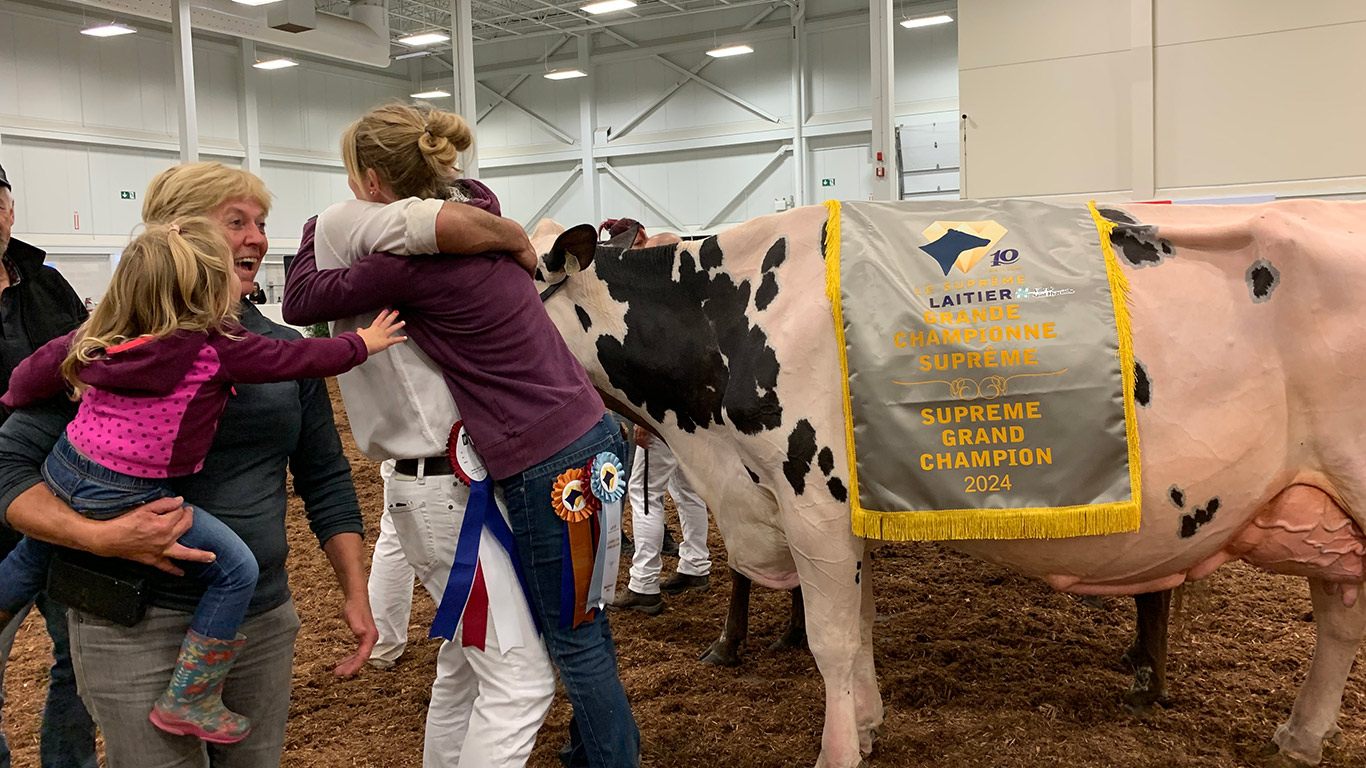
(125, 195)
(827, 182)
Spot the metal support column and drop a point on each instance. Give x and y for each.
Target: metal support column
(183, 49)
(462, 56)
(248, 124)
(881, 149)
(799, 102)
(592, 186)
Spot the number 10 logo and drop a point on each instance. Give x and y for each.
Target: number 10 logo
(1007, 256)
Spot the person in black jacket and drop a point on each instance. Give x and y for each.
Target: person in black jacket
(38, 305)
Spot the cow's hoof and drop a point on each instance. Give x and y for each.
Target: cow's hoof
(867, 741)
(1273, 757)
(790, 640)
(721, 654)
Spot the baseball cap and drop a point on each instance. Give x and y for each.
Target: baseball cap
(4, 180)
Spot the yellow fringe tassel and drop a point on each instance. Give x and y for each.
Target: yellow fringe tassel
(1029, 523)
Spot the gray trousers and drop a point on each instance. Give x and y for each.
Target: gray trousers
(121, 671)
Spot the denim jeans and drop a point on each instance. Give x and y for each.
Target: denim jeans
(101, 494)
(602, 731)
(67, 733)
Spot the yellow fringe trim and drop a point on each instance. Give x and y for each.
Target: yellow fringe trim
(1027, 523)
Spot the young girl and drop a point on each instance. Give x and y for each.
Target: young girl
(153, 368)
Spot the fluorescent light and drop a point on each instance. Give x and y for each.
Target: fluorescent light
(607, 6)
(426, 38)
(927, 21)
(565, 74)
(730, 50)
(108, 30)
(413, 55)
(255, 2)
(280, 63)
(432, 94)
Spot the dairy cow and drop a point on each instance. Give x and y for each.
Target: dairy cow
(1248, 341)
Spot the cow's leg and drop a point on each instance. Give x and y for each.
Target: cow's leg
(867, 698)
(1313, 719)
(725, 651)
(826, 554)
(1148, 654)
(795, 634)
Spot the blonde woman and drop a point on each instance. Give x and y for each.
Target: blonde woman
(525, 401)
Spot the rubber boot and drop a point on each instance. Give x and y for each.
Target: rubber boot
(193, 703)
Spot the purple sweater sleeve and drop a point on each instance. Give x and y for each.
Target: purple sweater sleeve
(39, 376)
(374, 282)
(255, 359)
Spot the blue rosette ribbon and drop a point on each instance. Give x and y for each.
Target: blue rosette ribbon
(607, 480)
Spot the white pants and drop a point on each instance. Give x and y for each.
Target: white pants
(648, 529)
(391, 586)
(486, 705)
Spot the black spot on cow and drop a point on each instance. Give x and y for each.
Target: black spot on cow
(1262, 279)
(584, 319)
(837, 490)
(690, 347)
(826, 461)
(540, 276)
(1117, 216)
(776, 255)
(768, 291)
(1139, 244)
(801, 449)
(858, 571)
(1143, 386)
(824, 232)
(1197, 520)
(1177, 496)
(751, 474)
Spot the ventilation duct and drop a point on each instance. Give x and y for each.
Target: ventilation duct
(363, 38)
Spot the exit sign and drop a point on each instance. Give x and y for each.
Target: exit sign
(827, 182)
(125, 195)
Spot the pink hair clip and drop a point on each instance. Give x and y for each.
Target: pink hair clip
(174, 227)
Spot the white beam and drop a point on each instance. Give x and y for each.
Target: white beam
(520, 79)
(749, 187)
(588, 123)
(182, 47)
(462, 57)
(635, 119)
(765, 114)
(644, 198)
(881, 149)
(535, 118)
(248, 123)
(568, 182)
(799, 102)
(1144, 171)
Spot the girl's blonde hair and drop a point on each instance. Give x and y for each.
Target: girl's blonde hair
(173, 277)
(413, 149)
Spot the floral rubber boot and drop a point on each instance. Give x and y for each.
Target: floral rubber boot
(193, 703)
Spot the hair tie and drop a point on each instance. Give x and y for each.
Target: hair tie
(174, 227)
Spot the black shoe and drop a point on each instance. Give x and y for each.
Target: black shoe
(670, 547)
(682, 582)
(631, 600)
(628, 547)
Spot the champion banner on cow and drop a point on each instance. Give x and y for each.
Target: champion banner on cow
(988, 367)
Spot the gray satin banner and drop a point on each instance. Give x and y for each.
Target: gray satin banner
(985, 382)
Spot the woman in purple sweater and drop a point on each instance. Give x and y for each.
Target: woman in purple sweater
(153, 368)
(526, 402)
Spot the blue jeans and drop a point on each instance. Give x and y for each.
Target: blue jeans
(101, 494)
(602, 731)
(67, 733)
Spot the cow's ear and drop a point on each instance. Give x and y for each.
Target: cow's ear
(577, 243)
(624, 240)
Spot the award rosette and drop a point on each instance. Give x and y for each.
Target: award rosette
(574, 503)
(609, 487)
(466, 597)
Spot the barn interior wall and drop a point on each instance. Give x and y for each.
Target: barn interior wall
(1161, 98)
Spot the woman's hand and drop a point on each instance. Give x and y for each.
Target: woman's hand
(379, 335)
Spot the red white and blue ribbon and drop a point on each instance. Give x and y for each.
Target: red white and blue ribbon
(609, 486)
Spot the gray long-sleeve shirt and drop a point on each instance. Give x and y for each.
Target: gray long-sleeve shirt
(265, 428)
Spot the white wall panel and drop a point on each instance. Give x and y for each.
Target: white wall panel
(51, 187)
(926, 63)
(840, 69)
(1182, 21)
(522, 192)
(88, 274)
(844, 160)
(299, 193)
(994, 33)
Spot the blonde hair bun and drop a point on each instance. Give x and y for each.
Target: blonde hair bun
(413, 148)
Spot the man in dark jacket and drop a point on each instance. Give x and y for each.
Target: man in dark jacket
(36, 306)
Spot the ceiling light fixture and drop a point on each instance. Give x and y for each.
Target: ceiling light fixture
(255, 2)
(730, 50)
(432, 94)
(607, 6)
(927, 21)
(108, 30)
(280, 63)
(565, 74)
(426, 38)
